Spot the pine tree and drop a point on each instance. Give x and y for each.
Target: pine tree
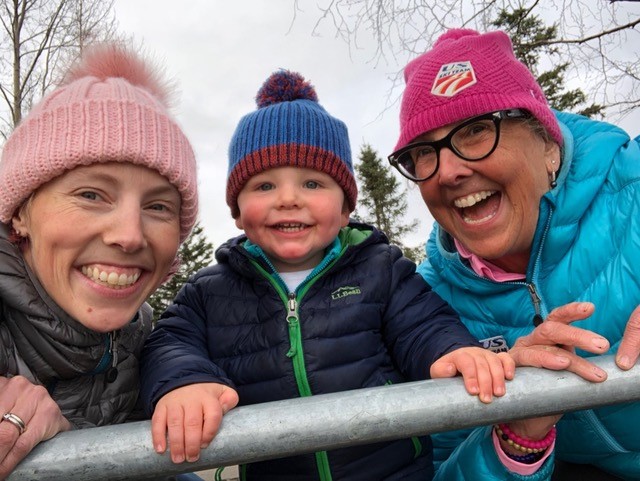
(530, 40)
(383, 201)
(195, 253)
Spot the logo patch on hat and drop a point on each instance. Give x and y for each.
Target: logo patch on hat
(453, 78)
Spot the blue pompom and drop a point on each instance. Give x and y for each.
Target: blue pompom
(285, 86)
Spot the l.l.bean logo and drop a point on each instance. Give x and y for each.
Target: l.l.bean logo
(345, 291)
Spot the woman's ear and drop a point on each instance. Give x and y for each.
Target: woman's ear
(20, 221)
(20, 224)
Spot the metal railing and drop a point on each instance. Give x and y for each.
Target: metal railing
(329, 421)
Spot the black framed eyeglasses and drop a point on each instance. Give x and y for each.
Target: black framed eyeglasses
(474, 139)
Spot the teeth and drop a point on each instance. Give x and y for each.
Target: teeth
(290, 227)
(110, 279)
(473, 199)
(477, 221)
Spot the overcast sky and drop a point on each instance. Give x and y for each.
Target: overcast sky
(220, 52)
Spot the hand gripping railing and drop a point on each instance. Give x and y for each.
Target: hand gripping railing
(295, 426)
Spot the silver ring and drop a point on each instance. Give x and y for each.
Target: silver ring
(16, 421)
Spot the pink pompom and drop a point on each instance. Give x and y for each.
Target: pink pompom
(104, 61)
(454, 34)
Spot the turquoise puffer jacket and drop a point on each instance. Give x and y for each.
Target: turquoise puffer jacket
(586, 248)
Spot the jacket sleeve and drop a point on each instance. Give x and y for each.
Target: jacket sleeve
(475, 459)
(5, 347)
(175, 354)
(420, 327)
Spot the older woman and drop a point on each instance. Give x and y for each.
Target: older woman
(537, 218)
(98, 191)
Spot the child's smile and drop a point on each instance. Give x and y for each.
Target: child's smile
(293, 214)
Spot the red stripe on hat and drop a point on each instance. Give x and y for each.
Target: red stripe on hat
(290, 155)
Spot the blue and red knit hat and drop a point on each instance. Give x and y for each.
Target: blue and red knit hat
(289, 128)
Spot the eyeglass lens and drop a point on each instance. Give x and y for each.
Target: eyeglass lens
(470, 141)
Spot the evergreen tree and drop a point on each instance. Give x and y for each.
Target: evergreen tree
(385, 204)
(195, 253)
(530, 40)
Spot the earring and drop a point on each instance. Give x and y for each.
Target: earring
(552, 183)
(18, 232)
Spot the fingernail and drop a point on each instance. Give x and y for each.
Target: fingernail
(192, 459)
(177, 459)
(204, 445)
(599, 342)
(623, 362)
(599, 372)
(499, 391)
(159, 449)
(562, 359)
(486, 398)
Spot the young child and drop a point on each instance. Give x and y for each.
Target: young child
(304, 303)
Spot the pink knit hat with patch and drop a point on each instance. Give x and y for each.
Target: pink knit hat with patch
(467, 74)
(111, 107)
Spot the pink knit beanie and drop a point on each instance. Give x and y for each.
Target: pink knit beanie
(466, 74)
(111, 107)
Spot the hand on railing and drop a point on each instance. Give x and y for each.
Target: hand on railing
(189, 417)
(29, 416)
(629, 349)
(483, 371)
(552, 344)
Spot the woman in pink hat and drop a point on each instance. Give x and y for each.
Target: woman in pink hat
(535, 244)
(98, 191)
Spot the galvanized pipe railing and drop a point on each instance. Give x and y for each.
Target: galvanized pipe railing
(296, 426)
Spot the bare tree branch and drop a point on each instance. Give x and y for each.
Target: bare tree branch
(37, 38)
(594, 38)
(579, 41)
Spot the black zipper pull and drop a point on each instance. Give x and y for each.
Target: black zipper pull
(537, 318)
(112, 372)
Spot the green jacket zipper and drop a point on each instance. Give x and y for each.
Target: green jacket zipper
(296, 351)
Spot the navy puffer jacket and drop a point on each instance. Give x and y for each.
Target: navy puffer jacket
(365, 319)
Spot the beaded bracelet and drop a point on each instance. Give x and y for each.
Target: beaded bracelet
(528, 458)
(525, 445)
